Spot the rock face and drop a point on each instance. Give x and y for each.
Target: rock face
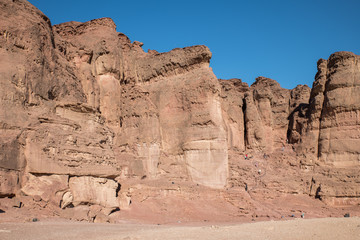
(298, 112)
(86, 116)
(332, 129)
(79, 99)
(270, 106)
(154, 103)
(233, 105)
(258, 116)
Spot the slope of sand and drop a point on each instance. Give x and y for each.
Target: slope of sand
(324, 228)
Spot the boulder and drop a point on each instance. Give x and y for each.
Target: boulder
(48, 187)
(9, 182)
(91, 190)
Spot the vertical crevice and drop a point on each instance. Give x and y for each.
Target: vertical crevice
(326, 87)
(118, 190)
(290, 121)
(244, 120)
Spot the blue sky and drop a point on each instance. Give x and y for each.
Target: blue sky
(279, 39)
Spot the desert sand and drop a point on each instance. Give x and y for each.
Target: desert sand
(321, 228)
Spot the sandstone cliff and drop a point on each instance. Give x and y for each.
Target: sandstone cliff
(333, 115)
(90, 121)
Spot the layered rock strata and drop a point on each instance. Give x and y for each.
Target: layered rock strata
(86, 114)
(332, 127)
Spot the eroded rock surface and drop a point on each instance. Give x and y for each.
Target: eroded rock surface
(333, 123)
(90, 123)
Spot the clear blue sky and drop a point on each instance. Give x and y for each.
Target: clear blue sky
(278, 39)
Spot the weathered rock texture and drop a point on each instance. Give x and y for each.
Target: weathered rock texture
(332, 130)
(87, 117)
(258, 116)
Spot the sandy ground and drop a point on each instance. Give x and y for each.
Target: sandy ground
(324, 228)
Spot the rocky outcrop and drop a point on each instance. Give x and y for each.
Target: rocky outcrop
(332, 127)
(327, 130)
(126, 85)
(233, 93)
(299, 98)
(86, 116)
(270, 110)
(82, 105)
(258, 116)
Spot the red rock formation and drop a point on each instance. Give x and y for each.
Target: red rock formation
(233, 105)
(298, 112)
(91, 121)
(333, 124)
(85, 101)
(272, 109)
(259, 116)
